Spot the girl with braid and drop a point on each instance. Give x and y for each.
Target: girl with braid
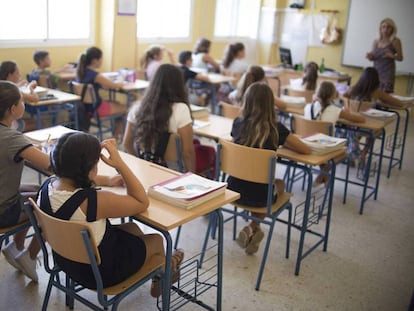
(123, 248)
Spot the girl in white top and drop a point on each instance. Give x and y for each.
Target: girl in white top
(201, 57)
(323, 108)
(233, 60)
(164, 108)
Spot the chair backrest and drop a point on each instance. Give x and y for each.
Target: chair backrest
(252, 164)
(85, 91)
(305, 127)
(45, 81)
(173, 152)
(65, 237)
(357, 105)
(301, 93)
(229, 111)
(274, 84)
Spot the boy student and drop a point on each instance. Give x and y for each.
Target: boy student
(186, 60)
(43, 62)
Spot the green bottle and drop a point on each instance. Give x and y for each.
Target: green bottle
(322, 66)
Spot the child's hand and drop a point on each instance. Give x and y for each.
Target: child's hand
(114, 158)
(116, 181)
(32, 85)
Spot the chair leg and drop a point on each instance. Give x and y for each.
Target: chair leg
(177, 238)
(289, 227)
(266, 251)
(47, 293)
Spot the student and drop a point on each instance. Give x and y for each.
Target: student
(233, 60)
(309, 80)
(368, 89)
(152, 59)
(257, 127)
(124, 249)
(87, 73)
(16, 148)
(9, 71)
(163, 109)
(202, 58)
(43, 62)
(252, 75)
(324, 109)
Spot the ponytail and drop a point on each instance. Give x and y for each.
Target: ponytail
(80, 71)
(149, 55)
(231, 52)
(86, 59)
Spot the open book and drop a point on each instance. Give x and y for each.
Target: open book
(376, 113)
(321, 143)
(47, 134)
(187, 190)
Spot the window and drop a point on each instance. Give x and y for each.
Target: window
(163, 19)
(50, 22)
(237, 18)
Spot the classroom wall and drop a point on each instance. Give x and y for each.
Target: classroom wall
(116, 35)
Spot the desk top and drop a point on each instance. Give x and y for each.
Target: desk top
(370, 123)
(160, 214)
(218, 127)
(66, 75)
(216, 78)
(310, 159)
(136, 86)
(273, 72)
(60, 97)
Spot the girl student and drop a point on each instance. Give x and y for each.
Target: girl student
(252, 75)
(201, 57)
(233, 60)
(123, 248)
(309, 79)
(9, 71)
(152, 59)
(324, 109)
(87, 72)
(163, 109)
(257, 127)
(16, 148)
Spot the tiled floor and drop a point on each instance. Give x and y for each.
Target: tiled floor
(369, 264)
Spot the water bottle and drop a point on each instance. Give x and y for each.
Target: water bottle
(322, 66)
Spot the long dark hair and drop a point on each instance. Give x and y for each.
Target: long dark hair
(258, 114)
(166, 88)
(310, 76)
(74, 156)
(253, 74)
(86, 59)
(368, 82)
(9, 96)
(6, 68)
(231, 52)
(202, 46)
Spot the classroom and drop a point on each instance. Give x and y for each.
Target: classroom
(358, 197)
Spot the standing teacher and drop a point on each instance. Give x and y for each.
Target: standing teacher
(385, 51)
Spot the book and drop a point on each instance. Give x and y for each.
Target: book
(47, 134)
(198, 124)
(294, 101)
(322, 144)
(199, 112)
(377, 114)
(187, 191)
(404, 99)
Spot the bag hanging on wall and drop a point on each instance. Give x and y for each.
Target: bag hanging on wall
(331, 34)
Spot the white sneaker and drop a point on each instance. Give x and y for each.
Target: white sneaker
(10, 252)
(28, 265)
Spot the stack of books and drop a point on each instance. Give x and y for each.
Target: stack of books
(187, 191)
(199, 112)
(322, 144)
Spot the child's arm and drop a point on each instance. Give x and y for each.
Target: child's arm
(202, 77)
(106, 83)
(36, 157)
(170, 54)
(388, 99)
(113, 205)
(210, 60)
(293, 142)
(280, 104)
(350, 116)
(128, 141)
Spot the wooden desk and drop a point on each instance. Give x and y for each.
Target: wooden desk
(66, 75)
(164, 217)
(218, 127)
(60, 99)
(305, 162)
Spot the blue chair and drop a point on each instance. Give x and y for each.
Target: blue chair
(75, 241)
(255, 165)
(98, 118)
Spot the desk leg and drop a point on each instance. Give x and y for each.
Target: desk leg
(39, 120)
(397, 128)
(219, 222)
(407, 119)
(308, 171)
(213, 98)
(331, 193)
(380, 163)
(75, 115)
(167, 272)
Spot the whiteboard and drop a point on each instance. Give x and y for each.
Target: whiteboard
(362, 28)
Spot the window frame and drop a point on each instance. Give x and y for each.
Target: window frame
(22, 43)
(235, 37)
(188, 39)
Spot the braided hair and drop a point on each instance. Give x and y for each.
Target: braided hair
(74, 156)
